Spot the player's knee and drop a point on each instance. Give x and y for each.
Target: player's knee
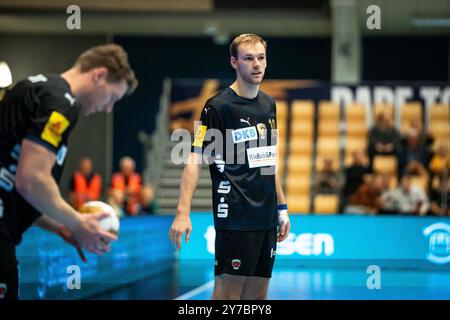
(254, 294)
(221, 294)
(229, 291)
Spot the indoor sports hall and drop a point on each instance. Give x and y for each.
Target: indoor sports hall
(363, 144)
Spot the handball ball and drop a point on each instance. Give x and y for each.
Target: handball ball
(110, 223)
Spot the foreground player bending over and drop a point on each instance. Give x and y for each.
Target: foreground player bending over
(248, 201)
(36, 117)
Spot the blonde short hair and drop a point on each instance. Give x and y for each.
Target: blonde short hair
(245, 38)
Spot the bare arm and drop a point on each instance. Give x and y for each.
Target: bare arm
(280, 194)
(188, 184)
(36, 185)
(182, 221)
(47, 223)
(283, 217)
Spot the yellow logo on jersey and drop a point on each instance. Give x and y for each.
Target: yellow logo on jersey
(272, 123)
(55, 127)
(199, 136)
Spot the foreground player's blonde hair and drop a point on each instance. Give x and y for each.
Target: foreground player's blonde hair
(114, 58)
(244, 39)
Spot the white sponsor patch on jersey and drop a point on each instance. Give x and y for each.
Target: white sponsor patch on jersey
(262, 156)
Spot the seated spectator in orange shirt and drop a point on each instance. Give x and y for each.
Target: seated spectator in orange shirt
(85, 184)
(130, 182)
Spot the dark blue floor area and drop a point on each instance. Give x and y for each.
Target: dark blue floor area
(192, 282)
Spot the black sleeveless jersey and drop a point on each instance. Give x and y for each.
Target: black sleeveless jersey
(42, 109)
(238, 137)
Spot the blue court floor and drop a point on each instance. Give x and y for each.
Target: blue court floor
(196, 283)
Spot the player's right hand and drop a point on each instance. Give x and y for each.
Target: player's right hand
(91, 236)
(180, 225)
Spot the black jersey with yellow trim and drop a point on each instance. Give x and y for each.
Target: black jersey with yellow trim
(42, 109)
(238, 137)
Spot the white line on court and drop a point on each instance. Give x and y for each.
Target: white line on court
(196, 291)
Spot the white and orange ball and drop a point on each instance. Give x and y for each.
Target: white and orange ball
(110, 223)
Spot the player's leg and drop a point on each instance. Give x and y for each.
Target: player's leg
(256, 287)
(9, 274)
(236, 258)
(227, 287)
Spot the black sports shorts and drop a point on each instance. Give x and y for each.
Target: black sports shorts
(9, 273)
(245, 253)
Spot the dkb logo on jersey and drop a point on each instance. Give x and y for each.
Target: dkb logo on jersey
(244, 134)
(439, 242)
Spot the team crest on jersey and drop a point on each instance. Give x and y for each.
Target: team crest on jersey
(262, 130)
(272, 123)
(3, 289)
(54, 129)
(273, 128)
(236, 263)
(199, 136)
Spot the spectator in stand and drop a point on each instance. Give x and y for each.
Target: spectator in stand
(440, 163)
(130, 182)
(327, 179)
(367, 198)
(425, 137)
(405, 199)
(414, 155)
(148, 203)
(384, 139)
(354, 175)
(85, 185)
(116, 199)
(440, 199)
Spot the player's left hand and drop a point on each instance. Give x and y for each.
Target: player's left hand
(68, 237)
(284, 225)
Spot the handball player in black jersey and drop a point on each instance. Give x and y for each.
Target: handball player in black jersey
(237, 134)
(36, 118)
